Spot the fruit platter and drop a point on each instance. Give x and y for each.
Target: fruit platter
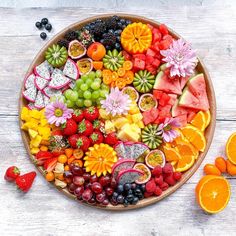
(117, 111)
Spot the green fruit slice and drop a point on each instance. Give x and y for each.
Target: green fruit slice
(143, 81)
(113, 60)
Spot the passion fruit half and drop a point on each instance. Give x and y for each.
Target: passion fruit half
(132, 92)
(147, 101)
(155, 158)
(76, 49)
(85, 65)
(146, 173)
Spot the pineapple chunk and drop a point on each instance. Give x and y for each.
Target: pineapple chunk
(30, 125)
(137, 117)
(140, 124)
(43, 122)
(119, 122)
(35, 114)
(45, 132)
(36, 141)
(34, 150)
(25, 114)
(134, 109)
(32, 133)
(135, 128)
(109, 126)
(104, 114)
(128, 135)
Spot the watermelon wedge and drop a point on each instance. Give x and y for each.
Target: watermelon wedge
(188, 100)
(178, 110)
(183, 81)
(167, 85)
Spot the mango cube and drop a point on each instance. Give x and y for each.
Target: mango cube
(25, 114)
(140, 124)
(43, 122)
(45, 132)
(32, 133)
(137, 117)
(120, 122)
(34, 150)
(35, 114)
(36, 141)
(109, 126)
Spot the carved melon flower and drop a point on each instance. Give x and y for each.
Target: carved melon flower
(180, 58)
(116, 102)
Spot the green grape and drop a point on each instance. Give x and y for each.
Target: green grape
(98, 80)
(92, 75)
(87, 94)
(70, 103)
(89, 81)
(87, 103)
(98, 73)
(80, 102)
(103, 93)
(80, 93)
(95, 94)
(84, 87)
(68, 92)
(84, 77)
(78, 83)
(105, 87)
(74, 96)
(95, 85)
(99, 101)
(58, 97)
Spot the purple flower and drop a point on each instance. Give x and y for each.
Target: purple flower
(180, 58)
(57, 113)
(168, 131)
(116, 103)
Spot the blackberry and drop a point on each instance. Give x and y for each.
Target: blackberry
(63, 43)
(71, 35)
(111, 23)
(98, 28)
(109, 39)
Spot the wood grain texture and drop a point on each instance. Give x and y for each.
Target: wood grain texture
(211, 27)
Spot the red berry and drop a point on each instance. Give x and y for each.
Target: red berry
(150, 186)
(177, 175)
(78, 115)
(96, 137)
(85, 127)
(96, 187)
(167, 169)
(73, 140)
(159, 180)
(87, 194)
(91, 113)
(24, 182)
(12, 173)
(69, 128)
(164, 186)
(158, 191)
(83, 143)
(170, 180)
(146, 194)
(157, 171)
(105, 180)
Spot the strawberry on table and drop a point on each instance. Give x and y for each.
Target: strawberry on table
(11, 173)
(73, 140)
(91, 113)
(78, 115)
(96, 137)
(24, 182)
(85, 127)
(111, 139)
(83, 143)
(69, 127)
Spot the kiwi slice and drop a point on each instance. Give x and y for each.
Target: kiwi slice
(113, 60)
(56, 55)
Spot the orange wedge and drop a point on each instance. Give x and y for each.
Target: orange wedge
(199, 121)
(207, 118)
(213, 193)
(195, 137)
(231, 148)
(171, 154)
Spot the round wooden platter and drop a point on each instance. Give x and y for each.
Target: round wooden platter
(208, 133)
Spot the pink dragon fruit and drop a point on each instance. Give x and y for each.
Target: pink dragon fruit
(46, 100)
(72, 84)
(58, 80)
(120, 149)
(122, 164)
(30, 94)
(49, 92)
(40, 82)
(29, 81)
(43, 70)
(71, 70)
(128, 176)
(31, 106)
(39, 101)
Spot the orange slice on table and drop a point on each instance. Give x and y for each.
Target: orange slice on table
(199, 121)
(213, 193)
(231, 148)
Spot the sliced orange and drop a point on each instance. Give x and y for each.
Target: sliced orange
(120, 83)
(171, 154)
(129, 77)
(207, 118)
(114, 76)
(195, 136)
(213, 193)
(231, 148)
(121, 71)
(185, 162)
(199, 121)
(97, 65)
(128, 65)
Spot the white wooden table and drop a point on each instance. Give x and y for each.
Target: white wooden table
(210, 26)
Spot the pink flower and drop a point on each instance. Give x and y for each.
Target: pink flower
(116, 103)
(180, 58)
(168, 133)
(57, 113)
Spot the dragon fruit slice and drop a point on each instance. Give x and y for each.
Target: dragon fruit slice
(72, 84)
(58, 80)
(40, 83)
(120, 149)
(122, 164)
(71, 70)
(43, 70)
(135, 150)
(46, 100)
(31, 106)
(30, 93)
(49, 92)
(128, 176)
(39, 101)
(29, 81)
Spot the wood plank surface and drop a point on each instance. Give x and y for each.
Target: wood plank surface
(209, 25)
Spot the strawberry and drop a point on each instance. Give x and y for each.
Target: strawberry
(96, 137)
(91, 113)
(12, 173)
(111, 139)
(78, 115)
(24, 182)
(73, 140)
(50, 164)
(42, 156)
(85, 127)
(83, 143)
(69, 128)
(57, 132)
(98, 124)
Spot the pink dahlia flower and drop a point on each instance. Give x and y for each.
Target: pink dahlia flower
(57, 112)
(116, 103)
(180, 58)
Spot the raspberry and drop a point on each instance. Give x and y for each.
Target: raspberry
(177, 175)
(170, 180)
(164, 186)
(159, 180)
(167, 169)
(146, 194)
(150, 186)
(157, 171)
(158, 191)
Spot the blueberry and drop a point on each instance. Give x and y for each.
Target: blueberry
(43, 35)
(133, 185)
(122, 21)
(118, 47)
(118, 39)
(115, 195)
(120, 188)
(108, 47)
(119, 24)
(123, 26)
(137, 191)
(140, 196)
(129, 192)
(111, 31)
(48, 27)
(38, 25)
(113, 201)
(127, 22)
(127, 187)
(130, 197)
(135, 201)
(143, 187)
(126, 202)
(116, 18)
(120, 199)
(44, 21)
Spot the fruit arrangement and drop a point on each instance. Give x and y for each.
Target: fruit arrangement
(116, 112)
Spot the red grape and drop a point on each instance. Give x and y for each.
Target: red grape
(87, 194)
(96, 187)
(78, 180)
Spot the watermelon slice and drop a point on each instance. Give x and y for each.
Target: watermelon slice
(183, 81)
(167, 85)
(188, 100)
(182, 120)
(178, 110)
(150, 116)
(197, 86)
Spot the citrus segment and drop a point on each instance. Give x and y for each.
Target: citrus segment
(199, 121)
(231, 148)
(207, 118)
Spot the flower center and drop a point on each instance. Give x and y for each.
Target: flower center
(58, 112)
(115, 104)
(179, 57)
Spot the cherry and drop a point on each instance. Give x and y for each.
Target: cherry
(79, 191)
(87, 194)
(96, 187)
(93, 178)
(105, 180)
(78, 180)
